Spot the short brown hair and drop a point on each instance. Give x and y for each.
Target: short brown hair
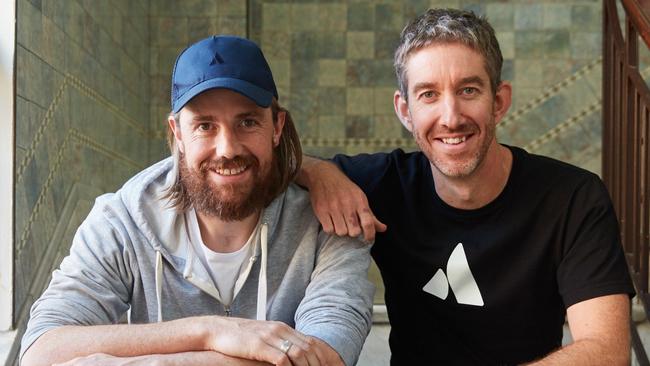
(446, 26)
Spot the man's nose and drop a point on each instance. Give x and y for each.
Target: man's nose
(227, 144)
(450, 113)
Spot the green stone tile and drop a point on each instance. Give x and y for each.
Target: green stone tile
(557, 45)
(199, 28)
(414, 8)
(501, 16)
(74, 20)
(332, 45)
(528, 73)
(388, 126)
(361, 72)
(170, 31)
(360, 45)
(304, 108)
(586, 17)
(361, 16)
(331, 101)
(586, 45)
(557, 16)
(274, 16)
(30, 30)
(358, 127)
(384, 101)
(232, 7)
(53, 51)
(304, 17)
(507, 70)
(331, 127)
(441, 4)
(389, 17)
(384, 73)
(529, 44)
(555, 71)
(528, 16)
(232, 25)
(333, 17)
(304, 46)
(281, 69)
(54, 10)
(332, 72)
(507, 44)
(276, 44)
(360, 101)
(385, 44)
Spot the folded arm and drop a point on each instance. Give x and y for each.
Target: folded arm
(601, 334)
(229, 339)
(339, 204)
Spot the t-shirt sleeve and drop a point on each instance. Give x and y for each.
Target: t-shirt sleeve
(593, 263)
(365, 170)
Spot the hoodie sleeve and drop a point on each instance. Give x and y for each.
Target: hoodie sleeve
(337, 307)
(92, 285)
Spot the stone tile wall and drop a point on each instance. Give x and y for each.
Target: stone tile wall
(333, 63)
(82, 114)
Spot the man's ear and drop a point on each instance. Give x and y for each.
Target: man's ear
(402, 110)
(502, 100)
(278, 126)
(175, 127)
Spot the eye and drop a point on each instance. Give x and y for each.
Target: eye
(427, 94)
(205, 126)
(248, 123)
(469, 90)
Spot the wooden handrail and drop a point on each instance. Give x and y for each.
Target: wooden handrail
(639, 12)
(626, 134)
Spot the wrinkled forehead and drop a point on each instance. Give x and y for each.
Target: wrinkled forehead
(223, 103)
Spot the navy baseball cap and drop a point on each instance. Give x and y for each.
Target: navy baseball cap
(222, 62)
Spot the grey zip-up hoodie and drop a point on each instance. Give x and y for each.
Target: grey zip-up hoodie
(134, 251)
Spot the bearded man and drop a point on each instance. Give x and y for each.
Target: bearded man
(213, 252)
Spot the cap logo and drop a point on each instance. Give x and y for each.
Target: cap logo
(216, 59)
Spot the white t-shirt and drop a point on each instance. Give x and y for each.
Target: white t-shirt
(224, 268)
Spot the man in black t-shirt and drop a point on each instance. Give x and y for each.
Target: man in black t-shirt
(487, 248)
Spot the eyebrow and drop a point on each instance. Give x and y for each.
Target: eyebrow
(209, 117)
(475, 79)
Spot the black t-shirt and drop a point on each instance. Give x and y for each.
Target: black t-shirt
(488, 286)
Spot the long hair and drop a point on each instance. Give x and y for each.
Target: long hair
(287, 160)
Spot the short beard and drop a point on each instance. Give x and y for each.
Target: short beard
(229, 202)
(462, 169)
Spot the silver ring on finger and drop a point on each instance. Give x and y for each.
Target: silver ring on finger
(285, 345)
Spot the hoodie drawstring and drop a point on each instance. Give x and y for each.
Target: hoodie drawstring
(261, 284)
(159, 273)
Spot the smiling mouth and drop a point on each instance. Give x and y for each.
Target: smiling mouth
(453, 140)
(232, 171)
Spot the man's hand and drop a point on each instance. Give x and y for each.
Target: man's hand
(262, 341)
(340, 205)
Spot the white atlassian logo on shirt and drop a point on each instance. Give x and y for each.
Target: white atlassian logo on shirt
(459, 277)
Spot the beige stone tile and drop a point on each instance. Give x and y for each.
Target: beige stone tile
(360, 45)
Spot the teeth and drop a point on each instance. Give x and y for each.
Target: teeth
(233, 171)
(454, 140)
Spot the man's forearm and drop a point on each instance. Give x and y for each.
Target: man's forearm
(587, 352)
(307, 168)
(65, 343)
(205, 358)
